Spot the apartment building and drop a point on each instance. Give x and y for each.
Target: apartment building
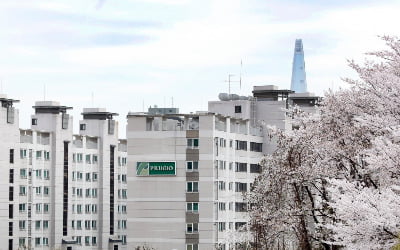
(61, 190)
(192, 170)
(191, 173)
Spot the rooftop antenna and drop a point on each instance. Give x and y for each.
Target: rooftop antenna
(240, 79)
(230, 81)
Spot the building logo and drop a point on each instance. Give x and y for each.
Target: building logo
(156, 168)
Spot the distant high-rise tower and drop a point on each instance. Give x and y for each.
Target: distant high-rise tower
(299, 82)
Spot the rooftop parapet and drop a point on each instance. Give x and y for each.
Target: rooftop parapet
(97, 114)
(49, 107)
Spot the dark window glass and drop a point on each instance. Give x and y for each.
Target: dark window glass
(12, 155)
(238, 109)
(11, 176)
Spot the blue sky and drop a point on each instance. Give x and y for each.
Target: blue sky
(130, 52)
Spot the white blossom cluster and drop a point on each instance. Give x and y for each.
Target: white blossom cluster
(334, 181)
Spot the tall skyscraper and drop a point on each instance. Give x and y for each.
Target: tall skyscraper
(299, 82)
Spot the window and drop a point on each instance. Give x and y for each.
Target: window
(255, 168)
(94, 192)
(11, 176)
(94, 159)
(192, 166)
(45, 224)
(34, 121)
(94, 208)
(10, 229)
(123, 224)
(240, 167)
(240, 226)
(124, 193)
(79, 224)
(47, 155)
(22, 190)
(88, 159)
(87, 176)
(123, 209)
(87, 224)
(38, 155)
(22, 207)
(222, 142)
(221, 206)
(192, 247)
(94, 224)
(87, 240)
(193, 143)
(46, 190)
(37, 224)
(192, 186)
(11, 193)
(123, 238)
(22, 173)
(87, 191)
(79, 157)
(21, 243)
(123, 177)
(38, 190)
(87, 208)
(256, 147)
(230, 185)
(37, 241)
(11, 155)
(38, 173)
(238, 109)
(46, 207)
(192, 207)
(79, 239)
(241, 145)
(192, 228)
(82, 126)
(38, 207)
(94, 176)
(222, 164)
(221, 185)
(22, 225)
(94, 241)
(22, 153)
(45, 241)
(46, 174)
(221, 226)
(240, 187)
(240, 207)
(231, 143)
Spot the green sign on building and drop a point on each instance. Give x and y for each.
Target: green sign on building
(158, 168)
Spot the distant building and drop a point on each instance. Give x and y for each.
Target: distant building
(299, 82)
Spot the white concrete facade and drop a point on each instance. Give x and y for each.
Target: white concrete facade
(198, 206)
(56, 189)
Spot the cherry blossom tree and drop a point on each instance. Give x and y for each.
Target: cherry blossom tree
(334, 180)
